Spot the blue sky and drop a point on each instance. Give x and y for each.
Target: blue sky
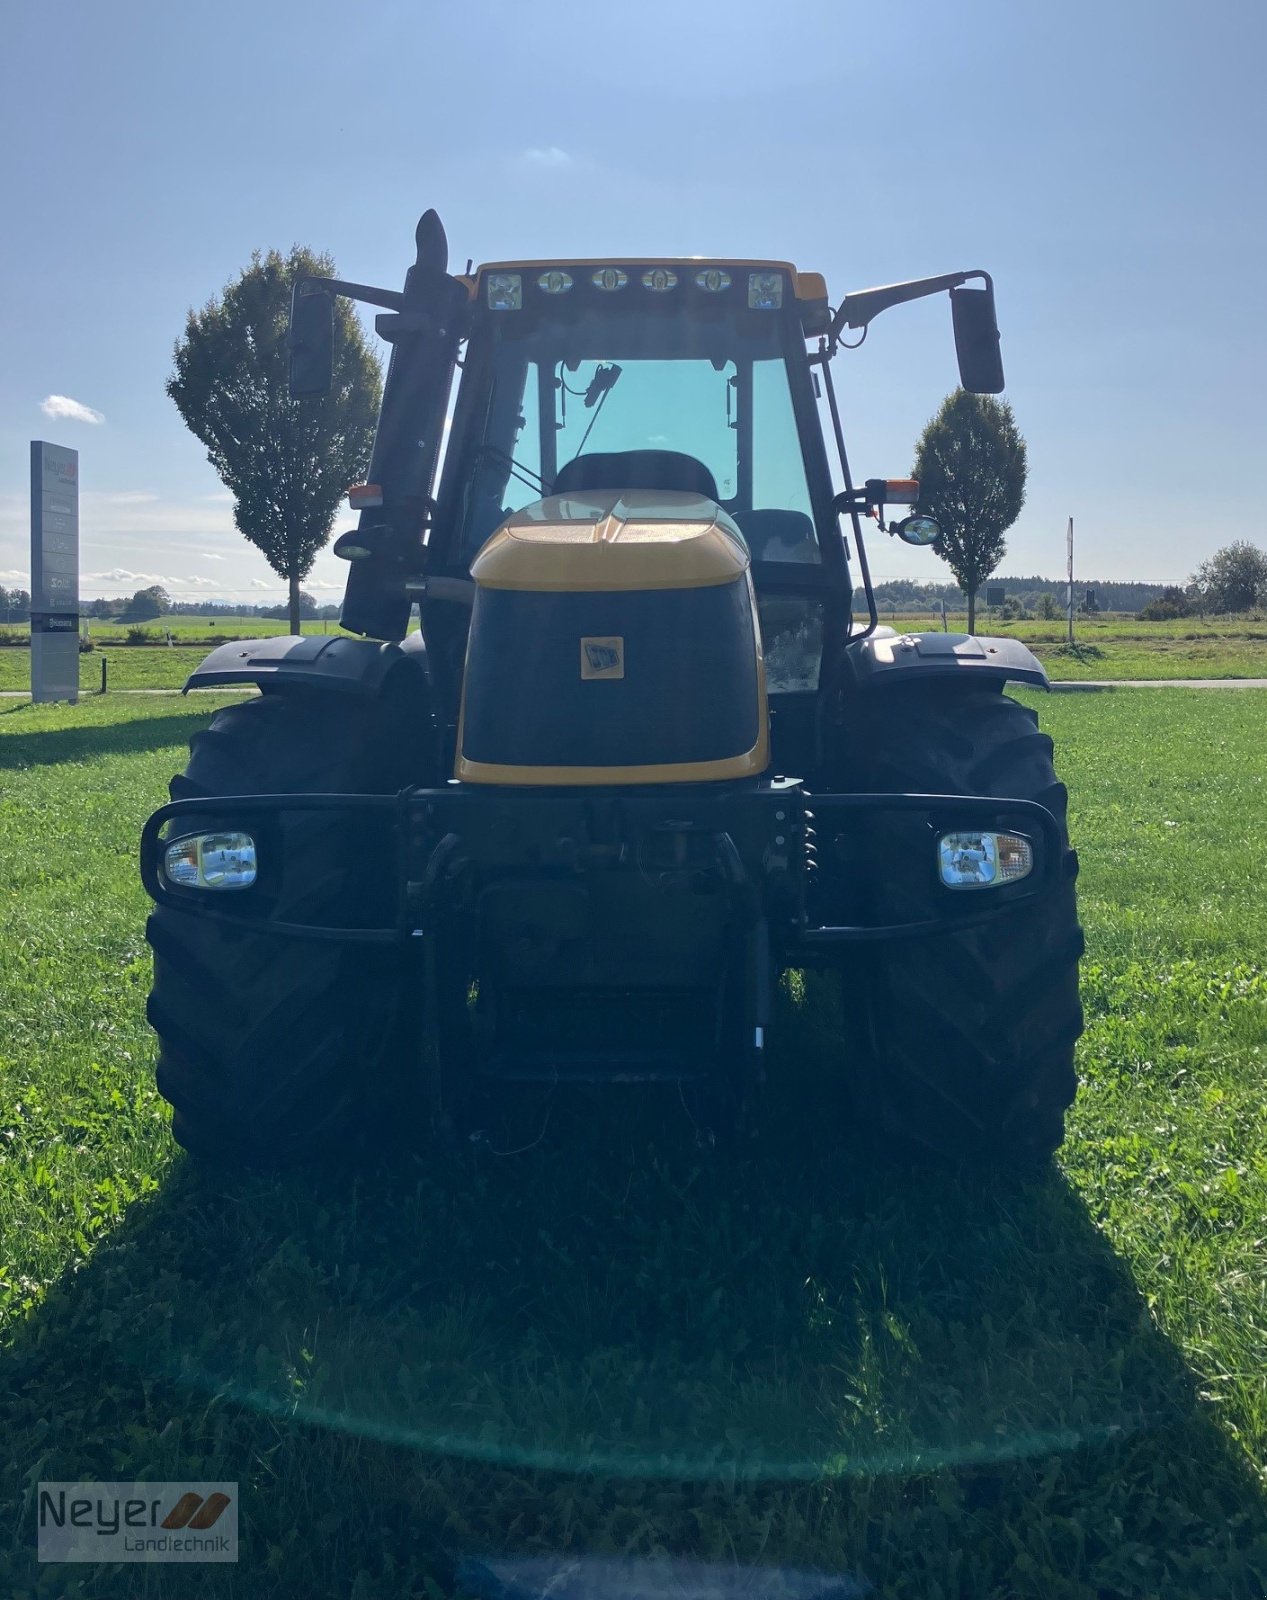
(1104, 161)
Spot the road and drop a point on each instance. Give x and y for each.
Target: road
(1159, 683)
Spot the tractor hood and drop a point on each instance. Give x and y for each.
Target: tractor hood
(612, 539)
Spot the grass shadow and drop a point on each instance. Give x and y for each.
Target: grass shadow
(785, 1354)
(53, 746)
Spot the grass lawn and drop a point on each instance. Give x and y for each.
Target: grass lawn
(1112, 647)
(954, 1385)
(1121, 647)
(186, 630)
(129, 667)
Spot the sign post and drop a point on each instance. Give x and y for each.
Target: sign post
(54, 572)
(1069, 597)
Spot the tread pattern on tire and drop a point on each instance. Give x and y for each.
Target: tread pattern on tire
(971, 1034)
(271, 1049)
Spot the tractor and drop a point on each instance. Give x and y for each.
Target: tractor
(647, 749)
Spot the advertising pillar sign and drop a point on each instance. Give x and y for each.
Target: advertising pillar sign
(54, 572)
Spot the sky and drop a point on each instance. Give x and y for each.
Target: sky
(1104, 161)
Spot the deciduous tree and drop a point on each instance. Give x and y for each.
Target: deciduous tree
(287, 462)
(1234, 578)
(971, 466)
(148, 604)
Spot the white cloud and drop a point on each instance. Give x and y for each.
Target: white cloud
(125, 575)
(129, 497)
(63, 409)
(210, 555)
(259, 583)
(143, 580)
(546, 156)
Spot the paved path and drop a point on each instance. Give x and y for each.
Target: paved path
(1072, 684)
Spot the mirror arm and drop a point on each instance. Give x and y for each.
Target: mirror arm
(857, 310)
(389, 299)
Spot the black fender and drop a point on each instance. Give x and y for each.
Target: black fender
(312, 660)
(887, 658)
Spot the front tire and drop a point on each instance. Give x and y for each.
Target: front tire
(970, 1035)
(274, 1049)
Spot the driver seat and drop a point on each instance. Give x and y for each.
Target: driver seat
(636, 469)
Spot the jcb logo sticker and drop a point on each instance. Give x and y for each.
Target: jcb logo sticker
(603, 658)
(137, 1522)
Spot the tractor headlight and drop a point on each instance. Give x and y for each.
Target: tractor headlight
(765, 291)
(505, 291)
(210, 861)
(983, 860)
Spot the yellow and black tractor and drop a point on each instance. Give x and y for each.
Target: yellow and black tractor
(642, 754)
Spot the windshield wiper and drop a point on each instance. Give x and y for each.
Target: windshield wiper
(525, 475)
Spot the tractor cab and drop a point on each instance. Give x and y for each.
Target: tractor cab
(686, 377)
(669, 378)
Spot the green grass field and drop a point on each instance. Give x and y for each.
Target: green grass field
(1122, 648)
(1107, 647)
(954, 1385)
(157, 665)
(186, 630)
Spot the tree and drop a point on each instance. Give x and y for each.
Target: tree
(1170, 604)
(307, 608)
(971, 466)
(15, 605)
(1234, 578)
(146, 604)
(1048, 608)
(287, 462)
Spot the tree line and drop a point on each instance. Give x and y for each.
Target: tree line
(147, 605)
(1090, 594)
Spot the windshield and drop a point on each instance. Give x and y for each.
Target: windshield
(714, 387)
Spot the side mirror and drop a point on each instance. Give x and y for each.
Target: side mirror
(355, 545)
(311, 341)
(977, 339)
(918, 529)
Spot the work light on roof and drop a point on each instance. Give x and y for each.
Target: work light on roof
(765, 291)
(659, 279)
(610, 278)
(555, 281)
(712, 279)
(505, 291)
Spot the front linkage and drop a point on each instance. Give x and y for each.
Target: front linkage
(445, 858)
